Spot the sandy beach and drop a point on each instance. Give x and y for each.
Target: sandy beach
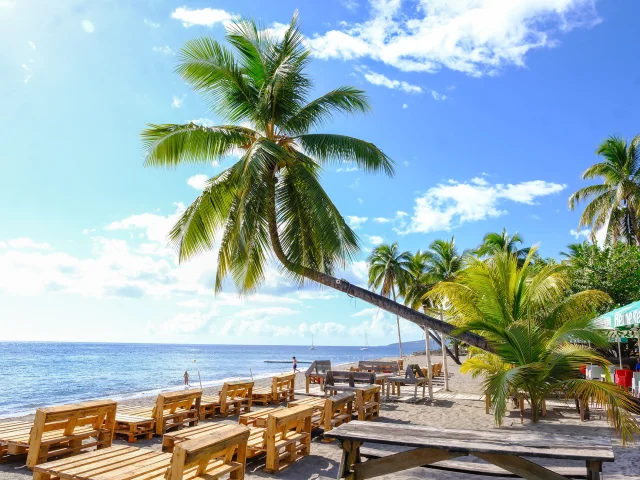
(450, 410)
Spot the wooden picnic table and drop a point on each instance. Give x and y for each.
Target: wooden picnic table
(501, 448)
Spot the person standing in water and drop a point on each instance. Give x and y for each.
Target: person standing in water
(295, 365)
(186, 377)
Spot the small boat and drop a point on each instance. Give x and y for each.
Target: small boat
(312, 347)
(366, 343)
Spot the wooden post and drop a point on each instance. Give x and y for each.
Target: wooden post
(427, 353)
(444, 358)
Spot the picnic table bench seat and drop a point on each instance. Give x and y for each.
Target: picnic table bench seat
(421, 446)
(171, 410)
(368, 402)
(329, 412)
(347, 381)
(171, 439)
(285, 439)
(57, 431)
(208, 457)
(234, 398)
(281, 390)
(413, 376)
(316, 373)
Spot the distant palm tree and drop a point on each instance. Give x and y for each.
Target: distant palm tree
(539, 332)
(271, 200)
(613, 204)
(496, 242)
(388, 271)
(443, 261)
(416, 284)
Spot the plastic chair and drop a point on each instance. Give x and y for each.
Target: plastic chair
(594, 372)
(635, 384)
(623, 378)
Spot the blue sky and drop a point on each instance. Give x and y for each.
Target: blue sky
(491, 111)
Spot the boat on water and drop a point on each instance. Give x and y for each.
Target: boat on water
(312, 347)
(366, 343)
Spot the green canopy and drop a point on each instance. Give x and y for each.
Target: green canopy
(623, 322)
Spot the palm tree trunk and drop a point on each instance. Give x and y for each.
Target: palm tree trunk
(393, 289)
(372, 298)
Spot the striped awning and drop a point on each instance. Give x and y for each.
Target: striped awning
(623, 322)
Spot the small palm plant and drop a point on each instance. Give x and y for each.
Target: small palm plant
(388, 272)
(539, 333)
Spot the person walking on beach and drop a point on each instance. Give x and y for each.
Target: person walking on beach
(295, 365)
(186, 377)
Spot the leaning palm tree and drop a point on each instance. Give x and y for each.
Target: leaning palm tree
(539, 332)
(613, 204)
(271, 200)
(388, 270)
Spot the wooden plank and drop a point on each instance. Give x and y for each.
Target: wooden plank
(520, 466)
(400, 461)
(498, 441)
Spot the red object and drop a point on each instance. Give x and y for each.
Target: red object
(624, 378)
(583, 369)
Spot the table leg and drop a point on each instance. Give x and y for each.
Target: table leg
(520, 467)
(594, 470)
(350, 456)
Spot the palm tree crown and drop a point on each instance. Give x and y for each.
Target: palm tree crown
(539, 333)
(443, 260)
(271, 198)
(615, 203)
(494, 242)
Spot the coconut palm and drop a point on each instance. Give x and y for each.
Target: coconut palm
(416, 283)
(443, 261)
(613, 204)
(539, 333)
(271, 200)
(388, 271)
(494, 242)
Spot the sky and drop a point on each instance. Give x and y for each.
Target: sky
(490, 110)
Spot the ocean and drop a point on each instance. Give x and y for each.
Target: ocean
(36, 374)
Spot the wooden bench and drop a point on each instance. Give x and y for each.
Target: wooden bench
(285, 440)
(233, 399)
(171, 439)
(316, 373)
(172, 410)
(413, 376)
(347, 381)
(471, 468)
(257, 418)
(432, 447)
(368, 402)
(209, 457)
(383, 371)
(61, 430)
(282, 390)
(329, 412)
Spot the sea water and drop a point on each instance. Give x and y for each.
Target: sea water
(36, 374)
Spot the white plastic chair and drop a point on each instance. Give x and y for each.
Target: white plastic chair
(635, 384)
(594, 372)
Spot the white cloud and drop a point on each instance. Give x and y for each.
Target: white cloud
(580, 233)
(165, 50)
(451, 204)
(359, 200)
(355, 184)
(207, 17)
(25, 243)
(381, 80)
(7, 4)
(438, 96)
(156, 227)
(32, 45)
(350, 4)
(178, 101)
(356, 222)
(204, 122)
(472, 36)
(27, 72)
(374, 239)
(87, 26)
(405, 106)
(405, 163)
(381, 220)
(347, 169)
(198, 181)
(151, 24)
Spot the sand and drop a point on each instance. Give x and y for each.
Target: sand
(445, 412)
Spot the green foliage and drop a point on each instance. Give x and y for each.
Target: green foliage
(538, 330)
(613, 204)
(271, 199)
(494, 242)
(388, 269)
(612, 269)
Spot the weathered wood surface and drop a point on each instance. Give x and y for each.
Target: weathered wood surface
(233, 399)
(378, 366)
(329, 412)
(503, 442)
(368, 402)
(258, 418)
(285, 440)
(316, 373)
(476, 468)
(208, 457)
(62, 430)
